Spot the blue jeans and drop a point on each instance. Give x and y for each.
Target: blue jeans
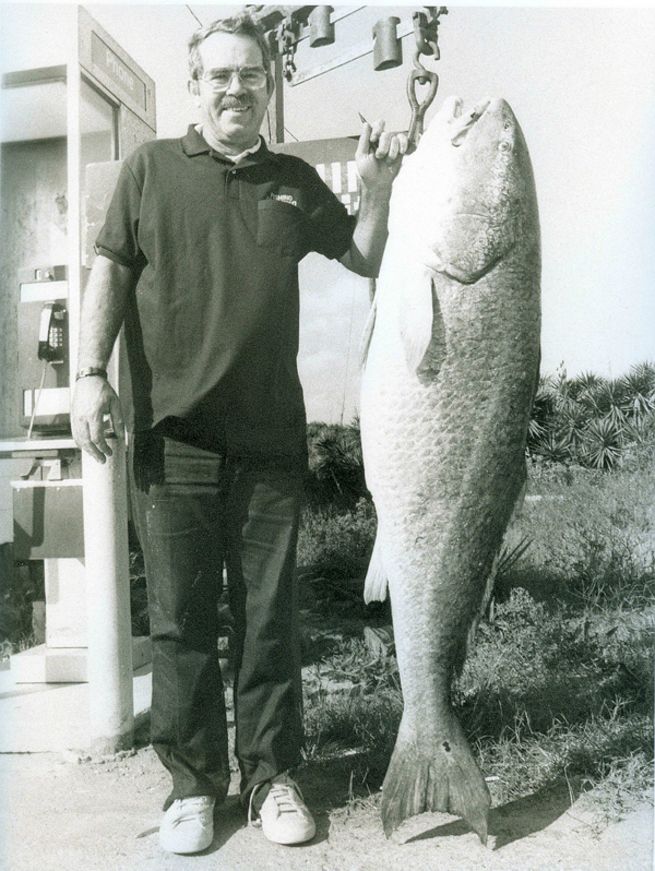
(196, 510)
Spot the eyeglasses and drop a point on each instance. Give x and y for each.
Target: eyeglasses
(250, 77)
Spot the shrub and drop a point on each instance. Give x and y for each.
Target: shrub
(336, 468)
(337, 544)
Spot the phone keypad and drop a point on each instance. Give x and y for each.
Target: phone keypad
(56, 338)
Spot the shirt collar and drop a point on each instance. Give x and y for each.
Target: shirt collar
(193, 143)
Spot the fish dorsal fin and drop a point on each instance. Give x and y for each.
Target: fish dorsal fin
(367, 335)
(422, 328)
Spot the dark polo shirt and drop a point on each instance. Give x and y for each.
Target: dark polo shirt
(212, 328)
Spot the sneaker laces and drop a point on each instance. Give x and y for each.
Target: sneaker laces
(284, 791)
(286, 797)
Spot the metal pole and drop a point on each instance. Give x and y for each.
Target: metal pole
(106, 553)
(279, 99)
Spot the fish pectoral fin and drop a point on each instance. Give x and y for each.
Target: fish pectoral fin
(472, 245)
(422, 328)
(376, 583)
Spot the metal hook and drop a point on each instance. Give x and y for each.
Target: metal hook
(423, 77)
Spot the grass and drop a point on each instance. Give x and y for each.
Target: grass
(591, 538)
(558, 690)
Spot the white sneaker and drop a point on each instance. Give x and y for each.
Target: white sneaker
(188, 825)
(284, 816)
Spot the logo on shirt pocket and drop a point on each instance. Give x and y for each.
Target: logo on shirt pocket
(284, 198)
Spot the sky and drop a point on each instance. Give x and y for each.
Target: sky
(582, 85)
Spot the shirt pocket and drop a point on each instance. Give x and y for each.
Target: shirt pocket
(281, 228)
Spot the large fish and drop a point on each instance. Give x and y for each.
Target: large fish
(450, 374)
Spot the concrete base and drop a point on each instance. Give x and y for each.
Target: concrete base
(47, 717)
(43, 664)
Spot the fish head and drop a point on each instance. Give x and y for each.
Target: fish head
(462, 196)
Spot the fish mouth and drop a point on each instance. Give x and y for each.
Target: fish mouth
(469, 122)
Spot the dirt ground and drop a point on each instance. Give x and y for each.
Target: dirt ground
(74, 813)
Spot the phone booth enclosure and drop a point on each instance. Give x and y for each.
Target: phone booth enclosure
(68, 102)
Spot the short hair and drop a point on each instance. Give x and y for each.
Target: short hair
(243, 23)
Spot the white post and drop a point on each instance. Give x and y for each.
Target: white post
(106, 558)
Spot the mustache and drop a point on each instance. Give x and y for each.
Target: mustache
(233, 103)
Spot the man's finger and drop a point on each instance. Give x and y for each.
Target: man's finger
(97, 435)
(364, 144)
(84, 442)
(383, 145)
(116, 417)
(394, 150)
(377, 129)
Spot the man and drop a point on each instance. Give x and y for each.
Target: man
(198, 256)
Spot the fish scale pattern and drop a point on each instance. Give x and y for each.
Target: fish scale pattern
(444, 445)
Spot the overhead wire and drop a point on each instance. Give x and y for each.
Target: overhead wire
(193, 13)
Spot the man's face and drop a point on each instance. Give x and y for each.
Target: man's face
(233, 114)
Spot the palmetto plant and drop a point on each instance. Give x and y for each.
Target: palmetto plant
(639, 386)
(585, 383)
(589, 419)
(601, 443)
(554, 449)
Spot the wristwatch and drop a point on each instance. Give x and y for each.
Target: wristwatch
(91, 370)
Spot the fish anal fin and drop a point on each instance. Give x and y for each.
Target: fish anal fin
(439, 775)
(375, 585)
(422, 328)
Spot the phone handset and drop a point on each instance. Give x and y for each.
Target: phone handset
(51, 333)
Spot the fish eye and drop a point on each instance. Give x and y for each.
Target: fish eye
(505, 145)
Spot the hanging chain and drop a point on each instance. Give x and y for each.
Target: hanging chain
(426, 32)
(287, 43)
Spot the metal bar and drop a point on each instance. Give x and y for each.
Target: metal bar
(34, 77)
(356, 51)
(74, 224)
(279, 98)
(106, 560)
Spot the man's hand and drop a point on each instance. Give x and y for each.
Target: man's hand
(379, 155)
(93, 400)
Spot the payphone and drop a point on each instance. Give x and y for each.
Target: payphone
(43, 351)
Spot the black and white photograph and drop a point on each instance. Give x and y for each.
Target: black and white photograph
(327, 437)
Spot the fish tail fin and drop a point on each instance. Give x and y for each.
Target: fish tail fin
(438, 775)
(375, 585)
